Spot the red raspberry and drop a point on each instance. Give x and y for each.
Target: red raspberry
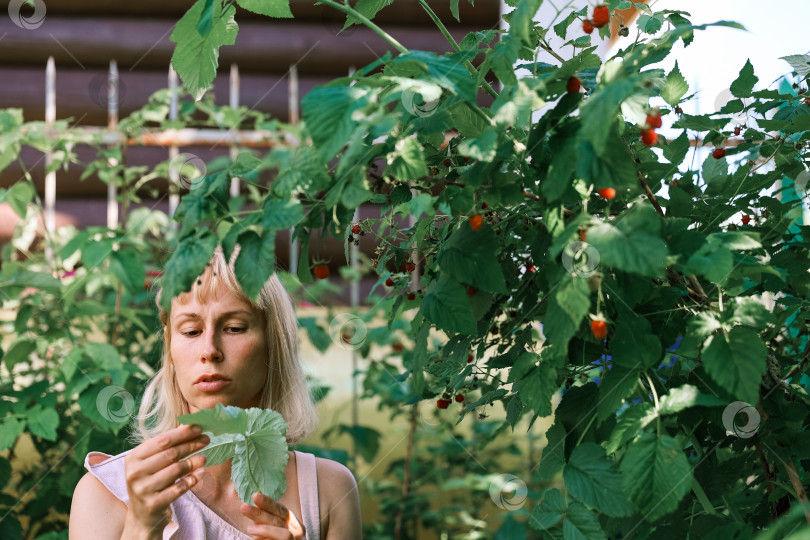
(459, 398)
(573, 85)
(587, 26)
(719, 153)
(442, 403)
(654, 121)
(389, 282)
(410, 267)
(601, 16)
(737, 131)
(356, 229)
(649, 137)
(607, 193)
(411, 296)
(447, 162)
(471, 291)
(746, 219)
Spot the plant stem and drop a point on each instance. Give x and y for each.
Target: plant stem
(367, 22)
(446, 33)
(796, 482)
(406, 474)
(543, 45)
(586, 429)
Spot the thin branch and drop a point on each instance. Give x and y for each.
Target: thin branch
(550, 51)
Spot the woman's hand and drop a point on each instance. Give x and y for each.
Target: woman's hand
(272, 520)
(152, 470)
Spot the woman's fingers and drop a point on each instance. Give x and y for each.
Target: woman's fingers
(174, 454)
(271, 519)
(164, 441)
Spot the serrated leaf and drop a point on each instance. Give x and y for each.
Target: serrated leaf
(18, 196)
(581, 524)
(330, 109)
(19, 351)
(256, 261)
(538, 387)
(617, 383)
(800, 63)
(568, 305)
(468, 257)
(656, 475)
(630, 423)
(634, 345)
(553, 458)
(369, 9)
(550, 510)
(42, 422)
(128, 267)
(675, 87)
(185, 265)
(593, 479)
(687, 396)
(745, 82)
(195, 59)
(482, 148)
(407, 161)
(281, 214)
(447, 305)
(10, 429)
(257, 438)
(271, 8)
(736, 361)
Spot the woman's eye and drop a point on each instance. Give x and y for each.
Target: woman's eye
(235, 329)
(190, 333)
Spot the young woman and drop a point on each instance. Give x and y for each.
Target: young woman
(219, 347)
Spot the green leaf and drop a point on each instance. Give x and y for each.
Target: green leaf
(800, 64)
(317, 335)
(447, 305)
(712, 260)
(271, 8)
(10, 429)
(370, 8)
(675, 87)
(736, 361)
(568, 305)
(482, 148)
(196, 57)
(745, 82)
(632, 244)
(407, 161)
(453, 9)
(550, 510)
(553, 458)
(593, 479)
(185, 265)
(522, 21)
(104, 355)
(5, 472)
(42, 422)
(257, 438)
(501, 58)
(18, 196)
(538, 387)
(206, 19)
(19, 351)
(601, 111)
(656, 475)
(581, 524)
(128, 267)
(617, 384)
(634, 345)
(367, 440)
(281, 214)
(468, 257)
(687, 396)
(256, 261)
(327, 111)
(630, 423)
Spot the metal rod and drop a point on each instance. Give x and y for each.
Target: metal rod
(234, 102)
(112, 124)
(50, 177)
(174, 175)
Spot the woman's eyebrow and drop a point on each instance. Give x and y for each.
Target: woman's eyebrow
(193, 315)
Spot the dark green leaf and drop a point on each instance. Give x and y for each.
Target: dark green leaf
(369, 9)
(256, 261)
(687, 396)
(468, 258)
(736, 361)
(550, 510)
(593, 479)
(128, 267)
(447, 305)
(675, 87)
(581, 524)
(18, 196)
(42, 422)
(745, 82)
(271, 8)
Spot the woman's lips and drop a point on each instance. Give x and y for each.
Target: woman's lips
(212, 386)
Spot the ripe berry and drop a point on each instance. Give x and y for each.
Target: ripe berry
(513, 313)
(356, 229)
(587, 26)
(321, 271)
(397, 346)
(447, 162)
(649, 137)
(389, 282)
(746, 219)
(719, 153)
(484, 206)
(434, 171)
(410, 267)
(674, 183)
(459, 398)
(737, 131)
(529, 268)
(599, 329)
(573, 85)
(494, 330)
(678, 110)
(607, 193)
(469, 358)
(411, 296)
(466, 159)
(442, 403)
(582, 234)
(601, 16)
(654, 120)
(476, 221)
(471, 291)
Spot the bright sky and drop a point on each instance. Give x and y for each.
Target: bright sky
(712, 62)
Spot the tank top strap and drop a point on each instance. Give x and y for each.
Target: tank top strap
(308, 494)
(110, 471)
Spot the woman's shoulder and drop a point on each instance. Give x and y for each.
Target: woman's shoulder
(338, 497)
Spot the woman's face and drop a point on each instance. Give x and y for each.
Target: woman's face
(218, 349)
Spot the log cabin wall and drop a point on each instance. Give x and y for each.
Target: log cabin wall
(83, 36)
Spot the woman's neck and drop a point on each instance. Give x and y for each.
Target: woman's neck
(215, 482)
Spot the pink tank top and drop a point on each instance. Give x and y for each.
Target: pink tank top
(193, 520)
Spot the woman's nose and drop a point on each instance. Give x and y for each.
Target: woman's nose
(210, 348)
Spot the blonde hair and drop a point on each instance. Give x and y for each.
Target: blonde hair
(285, 390)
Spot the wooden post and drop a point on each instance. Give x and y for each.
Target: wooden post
(174, 174)
(50, 177)
(112, 124)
